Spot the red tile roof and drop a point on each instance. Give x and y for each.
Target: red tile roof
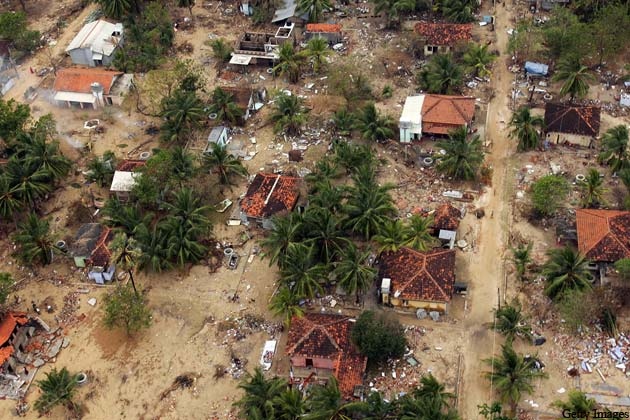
(101, 254)
(580, 120)
(328, 336)
(130, 165)
(8, 324)
(446, 217)
(426, 276)
(603, 235)
(443, 113)
(444, 33)
(80, 80)
(5, 353)
(323, 27)
(269, 194)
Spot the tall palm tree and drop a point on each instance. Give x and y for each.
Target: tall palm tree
(182, 164)
(188, 211)
(27, 181)
(289, 63)
(40, 154)
(116, 9)
(317, 48)
(343, 120)
(290, 405)
(326, 403)
(368, 209)
(221, 50)
(59, 387)
(418, 233)
(324, 171)
(510, 321)
(182, 112)
(286, 303)
(477, 59)
(426, 408)
(393, 9)
(463, 157)
(441, 75)
(565, 270)
(575, 77)
(223, 163)
(431, 388)
(352, 273)
(372, 125)
(259, 394)
(324, 232)
(10, 203)
(125, 255)
(34, 240)
(578, 402)
(314, 8)
(328, 196)
(224, 106)
(592, 189)
(353, 156)
(458, 11)
(392, 236)
(615, 150)
(288, 114)
(286, 230)
(152, 242)
(301, 271)
(512, 375)
(525, 128)
(521, 257)
(101, 169)
(375, 407)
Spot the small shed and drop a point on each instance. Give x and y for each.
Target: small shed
(218, 135)
(122, 184)
(329, 31)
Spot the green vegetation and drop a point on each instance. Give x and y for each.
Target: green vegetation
(221, 49)
(124, 308)
(182, 112)
(14, 28)
(457, 11)
(288, 114)
(615, 150)
(372, 125)
(577, 402)
(58, 388)
(463, 156)
(314, 8)
(101, 169)
(316, 51)
(223, 163)
(510, 321)
(575, 76)
(224, 106)
(526, 129)
(477, 59)
(548, 193)
(521, 258)
(592, 189)
(35, 243)
(442, 74)
(393, 10)
(290, 63)
(379, 337)
(623, 268)
(6, 286)
(566, 269)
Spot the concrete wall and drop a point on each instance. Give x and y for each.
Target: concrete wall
(441, 49)
(83, 57)
(413, 132)
(318, 363)
(416, 304)
(332, 38)
(561, 138)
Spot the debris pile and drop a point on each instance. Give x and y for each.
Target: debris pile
(232, 330)
(594, 352)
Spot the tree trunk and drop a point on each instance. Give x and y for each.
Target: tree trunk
(133, 283)
(23, 4)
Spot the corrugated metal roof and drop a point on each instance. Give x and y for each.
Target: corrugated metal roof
(98, 36)
(123, 181)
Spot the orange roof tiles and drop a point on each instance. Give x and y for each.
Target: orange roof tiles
(130, 165)
(101, 254)
(446, 217)
(443, 113)
(328, 336)
(565, 118)
(427, 276)
(444, 33)
(269, 194)
(603, 235)
(80, 80)
(8, 324)
(5, 353)
(323, 27)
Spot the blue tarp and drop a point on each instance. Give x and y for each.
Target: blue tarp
(537, 69)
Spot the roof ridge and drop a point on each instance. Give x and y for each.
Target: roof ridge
(297, 343)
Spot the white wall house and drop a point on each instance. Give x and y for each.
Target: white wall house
(96, 43)
(410, 122)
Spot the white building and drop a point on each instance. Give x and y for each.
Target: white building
(96, 43)
(410, 122)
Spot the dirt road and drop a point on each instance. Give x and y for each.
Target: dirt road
(487, 268)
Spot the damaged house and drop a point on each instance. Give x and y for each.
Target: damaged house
(247, 99)
(319, 347)
(269, 195)
(90, 249)
(96, 43)
(261, 48)
(439, 38)
(572, 124)
(446, 220)
(418, 280)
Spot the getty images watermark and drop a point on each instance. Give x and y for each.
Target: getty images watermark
(594, 414)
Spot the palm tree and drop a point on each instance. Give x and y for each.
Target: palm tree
(431, 388)
(477, 59)
(392, 236)
(458, 11)
(512, 375)
(116, 9)
(101, 169)
(34, 240)
(426, 408)
(614, 150)
(441, 75)
(27, 181)
(352, 273)
(326, 403)
(575, 77)
(314, 8)
(317, 48)
(221, 50)
(286, 303)
(578, 403)
(223, 163)
(125, 255)
(368, 208)
(182, 164)
(565, 270)
(289, 405)
(418, 233)
(224, 106)
(59, 387)
(10, 203)
(343, 120)
(286, 230)
(288, 114)
(328, 196)
(258, 400)
(372, 125)
(289, 63)
(521, 257)
(182, 113)
(592, 189)
(375, 407)
(510, 321)
(188, 211)
(525, 128)
(188, 4)
(40, 154)
(352, 156)
(301, 272)
(463, 157)
(323, 231)
(152, 242)
(393, 9)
